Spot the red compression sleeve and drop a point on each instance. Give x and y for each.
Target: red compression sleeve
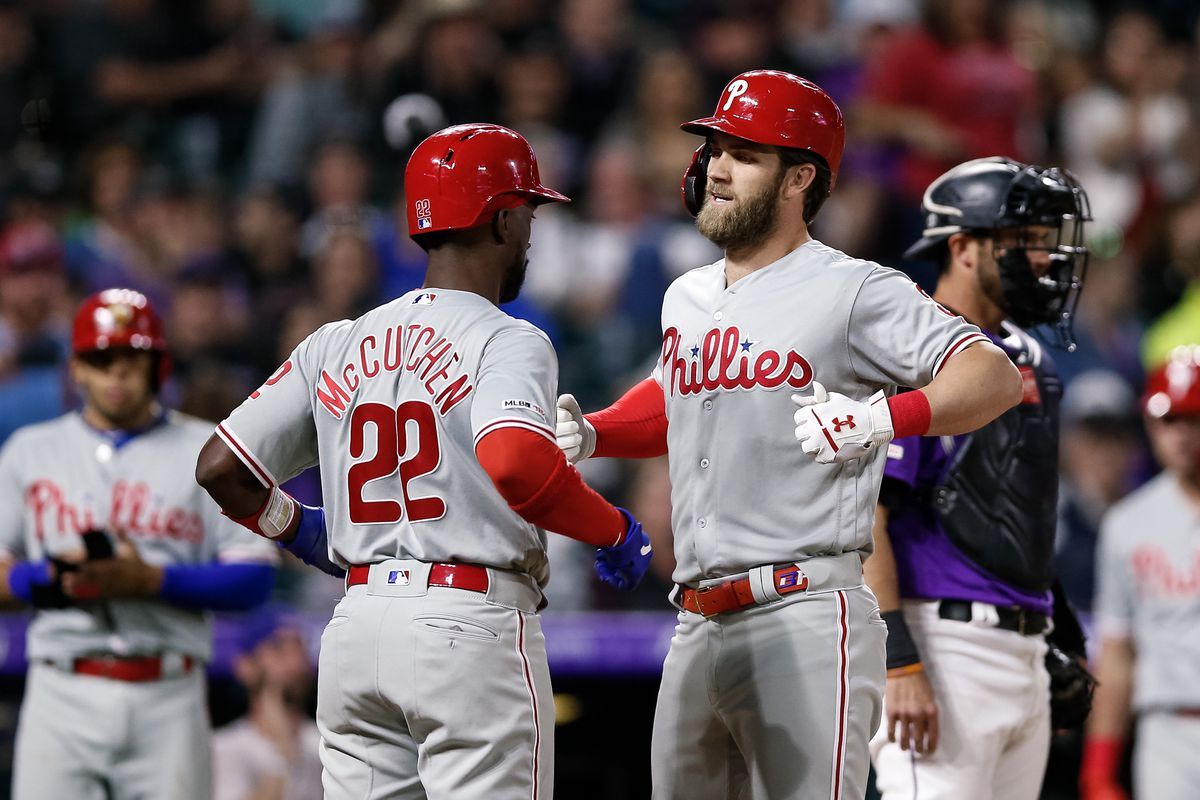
(537, 482)
(633, 427)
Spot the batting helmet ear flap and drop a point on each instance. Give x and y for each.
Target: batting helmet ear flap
(695, 179)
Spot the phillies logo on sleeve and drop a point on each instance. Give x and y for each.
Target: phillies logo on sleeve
(728, 359)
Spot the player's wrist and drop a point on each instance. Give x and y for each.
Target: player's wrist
(902, 653)
(911, 414)
(23, 576)
(275, 519)
(1102, 756)
(152, 580)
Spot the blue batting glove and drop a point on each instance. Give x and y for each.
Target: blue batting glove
(622, 566)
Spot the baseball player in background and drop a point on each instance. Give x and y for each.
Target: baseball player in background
(1148, 608)
(964, 531)
(107, 535)
(430, 418)
(774, 679)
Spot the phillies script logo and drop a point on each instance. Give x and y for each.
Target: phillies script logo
(724, 359)
(133, 510)
(1166, 575)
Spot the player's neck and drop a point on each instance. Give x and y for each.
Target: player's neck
(136, 422)
(1189, 484)
(463, 276)
(785, 239)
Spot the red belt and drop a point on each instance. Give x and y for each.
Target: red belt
(134, 670)
(735, 594)
(455, 576)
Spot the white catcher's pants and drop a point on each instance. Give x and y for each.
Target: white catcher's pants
(993, 696)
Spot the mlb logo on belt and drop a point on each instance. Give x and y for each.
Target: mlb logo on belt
(398, 577)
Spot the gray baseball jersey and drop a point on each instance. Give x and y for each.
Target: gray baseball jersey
(392, 405)
(1148, 573)
(62, 477)
(743, 493)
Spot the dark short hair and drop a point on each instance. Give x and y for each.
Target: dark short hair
(818, 190)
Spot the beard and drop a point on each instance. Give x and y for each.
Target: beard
(514, 278)
(743, 224)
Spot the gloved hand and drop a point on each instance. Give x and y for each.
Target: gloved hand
(575, 435)
(622, 566)
(832, 427)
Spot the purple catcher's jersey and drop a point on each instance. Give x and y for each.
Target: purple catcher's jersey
(928, 564)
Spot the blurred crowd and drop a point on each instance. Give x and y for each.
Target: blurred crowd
(240, 162)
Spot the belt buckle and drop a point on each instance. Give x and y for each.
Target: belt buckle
(701, 593)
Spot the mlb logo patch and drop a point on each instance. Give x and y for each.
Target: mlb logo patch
(525, 405)
(398, 577)
(424, 299)
(424, 216)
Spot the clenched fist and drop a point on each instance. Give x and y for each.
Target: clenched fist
(833, 427)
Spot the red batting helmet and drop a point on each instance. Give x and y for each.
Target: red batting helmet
(120, 318)
(777, 108)
(1174, 388)
(461, 176)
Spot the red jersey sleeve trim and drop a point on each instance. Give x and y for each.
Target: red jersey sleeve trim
(960, 344)
(248, 458)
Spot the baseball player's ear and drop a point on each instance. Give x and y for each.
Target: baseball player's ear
(799, 178)
(964, 249)
(502, 225)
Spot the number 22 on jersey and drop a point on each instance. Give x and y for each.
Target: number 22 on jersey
(405, 444)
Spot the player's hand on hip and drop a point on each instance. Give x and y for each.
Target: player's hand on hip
(912, 713)
(622, 566)
(833, 427)
(576, 436)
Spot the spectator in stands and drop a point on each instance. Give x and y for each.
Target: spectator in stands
(35, 312)
(272, 752)
(949, 90)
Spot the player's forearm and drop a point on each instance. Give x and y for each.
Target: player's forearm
(972, 389)
(228, 481)
(217, 587)
(879, 570)
(1111, 713)
(633, 427)
(537, 482)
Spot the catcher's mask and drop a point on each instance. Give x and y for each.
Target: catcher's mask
(988, 196)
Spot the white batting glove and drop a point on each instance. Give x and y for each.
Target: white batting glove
(832, 427)
(575, 435)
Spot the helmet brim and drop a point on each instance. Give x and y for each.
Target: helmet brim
(543, 195)
(925, 249)
(705, 125)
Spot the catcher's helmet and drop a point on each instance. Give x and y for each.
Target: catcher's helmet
(987, 195)
(121, 318)
(769, 107)
(461, 176)
(1174, 388)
